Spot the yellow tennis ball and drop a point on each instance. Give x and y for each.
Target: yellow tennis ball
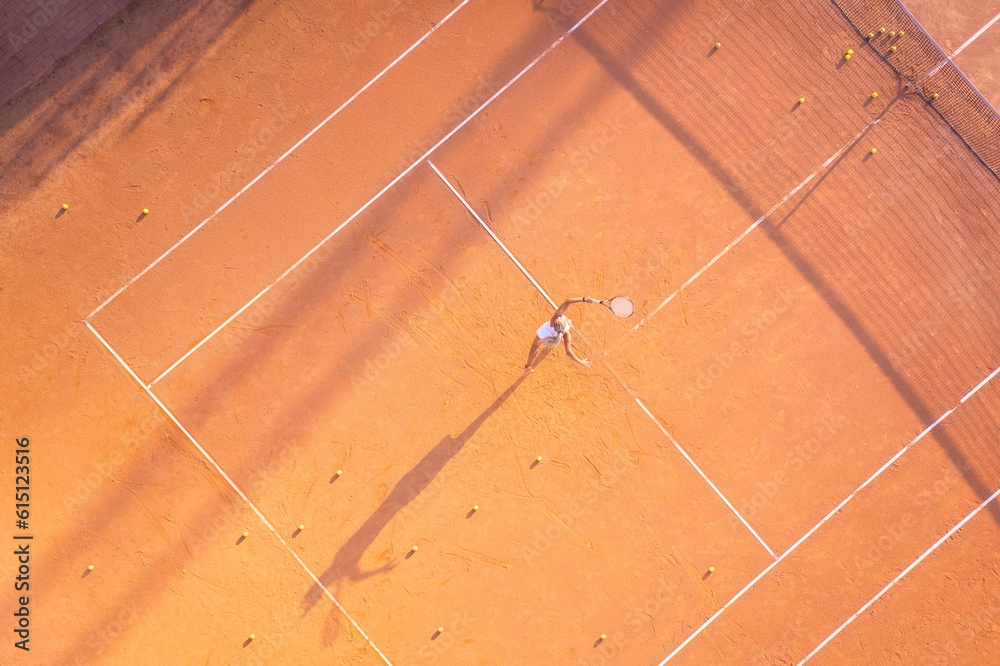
(65, 206)
(935, 96)
(302, 527)
(881, 30)
(339, 472)
(711, 570)
(874, 150)
(246, 534)
(847, 57)
(90, 568)
(892, 48)
(892, 33)
(874, 95)
(802, 100)
(253, 636)
(415, 549)
(900, 33)
(850, 51)
(603, 636)
(871, 35)
(538, 459)
(145, 211)
(718, 45)
(475, 507)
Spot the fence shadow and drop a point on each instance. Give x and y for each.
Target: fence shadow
(938, 224)
(95, 87)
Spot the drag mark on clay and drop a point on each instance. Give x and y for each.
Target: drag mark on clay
(366, 293)
(500, 564)
(696, 577)
(749, 334)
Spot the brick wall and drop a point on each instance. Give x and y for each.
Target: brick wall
(35, 33)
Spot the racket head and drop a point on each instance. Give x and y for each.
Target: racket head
(622, 306)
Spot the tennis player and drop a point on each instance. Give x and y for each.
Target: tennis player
(551, 332)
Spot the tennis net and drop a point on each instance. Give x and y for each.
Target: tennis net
(902, 42)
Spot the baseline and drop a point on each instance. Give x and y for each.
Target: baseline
(905, 571)
(828, 516)
(239, 492)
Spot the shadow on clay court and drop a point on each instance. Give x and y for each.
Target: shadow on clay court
(346, 563)
(289, 427)
(629, 44)
(88, 90)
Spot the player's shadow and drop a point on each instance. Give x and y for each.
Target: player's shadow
(346, 563)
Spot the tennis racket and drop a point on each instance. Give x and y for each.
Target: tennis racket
(620, 305)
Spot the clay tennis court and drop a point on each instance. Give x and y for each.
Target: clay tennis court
(270, 358)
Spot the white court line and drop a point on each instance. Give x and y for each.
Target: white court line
(976, 36)
(236, 488)
(280, 159)
(624, 386)
(743, 235)
(690, 460)
(827, 517)
(904, 572)
(490, 232)
(384, 189)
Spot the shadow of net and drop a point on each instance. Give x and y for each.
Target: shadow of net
(902, 247)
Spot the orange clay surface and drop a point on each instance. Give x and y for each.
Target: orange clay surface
(717, 427)
(952, 24)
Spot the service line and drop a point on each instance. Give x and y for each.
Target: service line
(743, 235)
(828, 516)
(280, 159)
(233, 485)
(666, 433)
(492, 235)
(628, 390)
(385, 189)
